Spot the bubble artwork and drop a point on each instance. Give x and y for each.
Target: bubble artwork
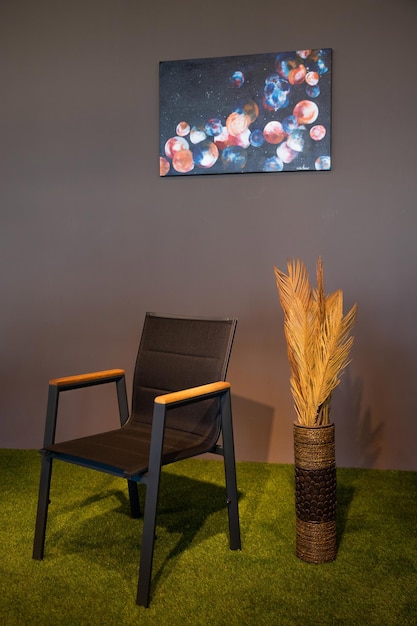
(252, 113)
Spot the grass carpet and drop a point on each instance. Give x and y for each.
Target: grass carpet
(89, 573)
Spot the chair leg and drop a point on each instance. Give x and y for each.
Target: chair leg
(134, 499)
(42, 512)
(230, 473)
(232, 509)
(148, 542)
(151, 503)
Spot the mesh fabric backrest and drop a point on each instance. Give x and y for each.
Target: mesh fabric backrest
(177, 353)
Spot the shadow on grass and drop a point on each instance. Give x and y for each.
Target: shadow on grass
(344, 497)
(94, 527)
(190, 511)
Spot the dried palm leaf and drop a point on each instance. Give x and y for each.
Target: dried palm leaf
(318, 339)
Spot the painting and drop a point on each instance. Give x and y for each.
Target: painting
(266, 112)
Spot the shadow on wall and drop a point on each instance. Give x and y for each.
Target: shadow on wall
(252, 425)
(356, 428)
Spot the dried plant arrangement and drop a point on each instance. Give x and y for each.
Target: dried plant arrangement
(318, 340)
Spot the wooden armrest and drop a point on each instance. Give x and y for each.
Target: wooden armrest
(193, 393)
(93, 378)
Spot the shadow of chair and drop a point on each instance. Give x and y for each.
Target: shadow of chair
(93, 524)
(181, 408)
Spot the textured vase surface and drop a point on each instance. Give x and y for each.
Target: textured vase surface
(315, 492)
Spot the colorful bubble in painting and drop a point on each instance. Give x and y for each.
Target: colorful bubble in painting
(306, 112)
(227, 139)
(256, 138)
(289, 123)
(303, 54)
(183, 128)
(237, 79)
(182, 161)
(297, 75)
(285, 62)
(234, 158)
(163, 166)
(286, 153)
(322, 163)
(313, 91)
(197, 135)
(251, 110)
(296, 139)
(175, 144)
(214, 127)
(205, 154)
(254, 113)
(274, 164)
(276, 92)
(312, 78)
(317, 132)
(236, 123)
(274, 133)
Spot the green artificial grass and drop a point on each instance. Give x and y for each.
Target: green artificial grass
(89, 573)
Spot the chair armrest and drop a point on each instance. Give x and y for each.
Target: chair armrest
(85, 380)
(56, 385)
(193, 394)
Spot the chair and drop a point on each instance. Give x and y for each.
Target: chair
(180, 407)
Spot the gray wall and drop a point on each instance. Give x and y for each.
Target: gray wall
(91, 237)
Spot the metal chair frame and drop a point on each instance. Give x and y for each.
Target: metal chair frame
(163, 404)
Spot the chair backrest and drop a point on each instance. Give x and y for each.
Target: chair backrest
(177, 353)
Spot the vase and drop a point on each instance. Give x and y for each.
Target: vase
(315, 492)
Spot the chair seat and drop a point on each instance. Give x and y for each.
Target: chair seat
(127, 448)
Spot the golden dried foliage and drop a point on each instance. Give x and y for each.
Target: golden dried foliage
(318, 340)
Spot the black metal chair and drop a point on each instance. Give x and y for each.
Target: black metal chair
(180, 407)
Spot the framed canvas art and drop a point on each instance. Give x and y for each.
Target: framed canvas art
(242, 114)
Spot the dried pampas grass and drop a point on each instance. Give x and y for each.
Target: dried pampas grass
(318, 340)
